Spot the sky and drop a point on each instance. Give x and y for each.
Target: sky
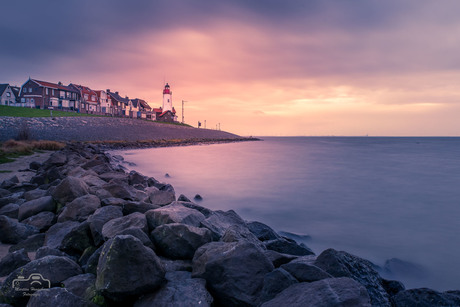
(272, 67)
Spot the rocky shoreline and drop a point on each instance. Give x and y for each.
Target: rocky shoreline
(91, 234)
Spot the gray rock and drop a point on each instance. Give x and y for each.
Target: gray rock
(139, 234)
(56, 159)
(179, 241)
(136, 178)
(42, 221)
(10, 210)
(56, 234)
(34, 165)
(116, 226)
(176, 265)
(244, 266)
(57, 297)
(288, 247)
(205, 211)
(236, 233)
(113, 201)
(128, 269)
(99, 218)
(327, 292)
(4, 193)
(111, 175)
(48, 251)
(174, 213)
(118, 190)
(12, 261)
(305, 272)
(69, 189)
(80, 208)
(219, 221)
(70, 237)
(83, 285)
(262, 231)
(183, 198)
(34, 194)
(275, 282)
(425, 298)
(142, 207)
(180, 291)
(342, 264)
(91, 265)
(31, 244)
(12, 232)
(278, 259)
(33, 207)
(162, 197)
(392, 287)
(93, 181)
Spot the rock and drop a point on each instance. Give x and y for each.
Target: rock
(9, 183)
(142, 207)
(10, 210)
(83, 285)
(53, 174)
(31, 244)
(398, 268)
(115, 226)
(180, 290)
(34, 194)
(278, 259)
(139, 234)
(111, 175)
(275, 282)
(128, 269)
(52, 269)
(118, 190)
(183, 198)
(41, 221)
(79, 209)
(99, 218)
(48, 251)
(4, 193)
(342, 264)
(205, 211)
(113, 201)
(12, 232)
(425, 298)
(294, 236)
(392, 286)
(236, 233)
(70, 237)
(242, 284)
(327, 292)
(176, 265)
(11, 199)
(12, 261)
(91, 264)
(56, 159)
(219, 221)
(198, 197)
(93, 181)
(35, 165)
(174, 213)
(56, 297)
(305, 272)
(162, 197)
(179, 241)
(262, 231)
(69, 189)
(288, 247)
(33, 207)
(136, 178)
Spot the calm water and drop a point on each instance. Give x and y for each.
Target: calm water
(378, 198)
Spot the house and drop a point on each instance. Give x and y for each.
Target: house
(105, 104)
(144, 110)
(120, 104)
(42, 95)
(7, 95)
(89, 102)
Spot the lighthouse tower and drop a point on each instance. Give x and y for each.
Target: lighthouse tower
(167, 99)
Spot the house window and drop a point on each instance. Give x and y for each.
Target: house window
(23, 100)
(46, 91)
(30, 90)
(27, 100)
(52, 92)
(86, 97)
(32, 100)
(8, 94)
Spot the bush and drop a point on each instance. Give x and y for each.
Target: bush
(24, 132)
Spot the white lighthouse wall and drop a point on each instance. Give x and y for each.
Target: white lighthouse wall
(167, 102)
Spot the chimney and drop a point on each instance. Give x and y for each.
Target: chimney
(116, 93)
(60, 83)
(108, 90)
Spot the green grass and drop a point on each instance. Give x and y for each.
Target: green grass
(5, 172)
(29, 112)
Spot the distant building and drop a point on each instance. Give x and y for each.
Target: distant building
(166, 113)
(143, 108)
(105, 106)
(7, 95)
(120, 104)
(89, 101)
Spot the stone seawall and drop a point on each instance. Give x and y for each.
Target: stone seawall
(103, 236)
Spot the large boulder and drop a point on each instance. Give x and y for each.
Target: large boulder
(290, 247)
(327, 292)
(80, 208)
(305, 272)
(174, 213)
(180, 290)
(179, 241)
(127, 269)
(48, 251)
(83, 285)
(118, 190)
(69, 189)
(99, 218)
(275, 282)
(42, 221)
(262, 231)
(34, 194)
(236, 233)
(31, 244)
(93, 181)
(219, 221)
(425, 298)
(161, 197)
(71, 237)
(137, 206)
(57, 297)
(12, 261)
(115, 226)
(12, 232)
(10, 210)
(343, 264)
(33, 207)
(234, 272)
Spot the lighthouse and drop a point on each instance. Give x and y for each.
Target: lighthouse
(167, 99)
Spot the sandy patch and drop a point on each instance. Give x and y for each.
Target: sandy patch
(22, 163)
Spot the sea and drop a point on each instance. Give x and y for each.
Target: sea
(394, 201)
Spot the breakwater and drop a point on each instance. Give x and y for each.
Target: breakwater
(102, 235)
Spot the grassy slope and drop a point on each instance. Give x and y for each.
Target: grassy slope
(29, 112)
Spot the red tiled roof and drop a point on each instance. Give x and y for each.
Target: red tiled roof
(51, 85)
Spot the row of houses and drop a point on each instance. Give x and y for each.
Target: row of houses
(79, 98)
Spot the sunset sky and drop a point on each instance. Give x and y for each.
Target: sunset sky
(301, 67)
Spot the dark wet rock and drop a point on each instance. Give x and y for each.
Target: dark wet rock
(136, 178)
(12, 232)
(278, 259)
(205, 211)
(4, 192)
(116, 226)
(262, 231)
(103, 169)
(53, 174)
(93, 181)
(91, 264)
(128, 269)
(31, 244)
(9, 183)
(139, 234)
(219, 221)
(183, 198)
(342, 264)
(40, 180)
(176, 265)
(242, 284)
(53, 268)
(288, 247)
(98, 220)
(180, 290)
(79, 209)
(327, 292)
(34, 165)
(174, 213)
(179, 241)
(33, 207)
(56, 159)
(10, 199)
(425, 298)
(305, 272)
(295, 236)
(71, 237)
(42, 221)
(34, 194)
(83, 285)
(69, 189)
(275, 282)
(10, 210)
(392, 286)
(56, 234)
(118, 190)
(236, 233)
(57, 297)
(198, 197)
(48, 251)
(142, 207)
(12, 261)
(111, 175)
(161, 197)
(113, 201)
(95, 161)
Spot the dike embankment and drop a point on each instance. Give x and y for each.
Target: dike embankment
(91, 233)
